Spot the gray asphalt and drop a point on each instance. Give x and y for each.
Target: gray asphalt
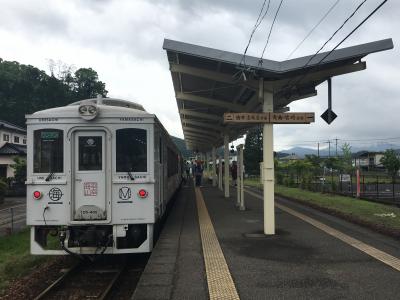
(301, 261)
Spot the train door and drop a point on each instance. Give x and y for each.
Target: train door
(89, 169)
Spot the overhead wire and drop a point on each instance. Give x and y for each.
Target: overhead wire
(260, 62)
(315, 27)
(323, 46)
(257, 24)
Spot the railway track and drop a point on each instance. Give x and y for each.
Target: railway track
(102, 279)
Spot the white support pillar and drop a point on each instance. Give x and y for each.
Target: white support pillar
(214, 166)
(238, 168)
(220, 173)
(268, 163)
(239, 185)
(241, 206)
(226, 165)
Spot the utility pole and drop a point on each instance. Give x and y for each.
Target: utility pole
(329, 153)
(336, 145)
(318, 149)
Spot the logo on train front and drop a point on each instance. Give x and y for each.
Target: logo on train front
(125, 193)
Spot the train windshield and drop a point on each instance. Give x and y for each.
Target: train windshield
(131, 150)
(48, 151)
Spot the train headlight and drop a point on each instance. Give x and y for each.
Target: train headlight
(143, 193)
(88, 111)
(37, 195)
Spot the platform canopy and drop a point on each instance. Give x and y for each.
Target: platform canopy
(209, 82)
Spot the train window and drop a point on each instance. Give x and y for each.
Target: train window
(48, 151)
(131, 146)
(90, 153)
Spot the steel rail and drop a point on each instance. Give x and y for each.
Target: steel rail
(72, 271)
(58, 281)
(110, 286)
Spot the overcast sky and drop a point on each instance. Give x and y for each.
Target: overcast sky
(122, 40)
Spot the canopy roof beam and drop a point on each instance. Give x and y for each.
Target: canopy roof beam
(202, 124)
(206, 132)
(322, 75)
(211, 75)
(209, 101)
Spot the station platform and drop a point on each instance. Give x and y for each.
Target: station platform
(209, 249)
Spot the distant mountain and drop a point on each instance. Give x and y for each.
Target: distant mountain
(180, 143)
(303, 151)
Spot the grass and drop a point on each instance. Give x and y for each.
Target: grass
(15, 258)
(254, 182)
(377, 215)
(366, 211)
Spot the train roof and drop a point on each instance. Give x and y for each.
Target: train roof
(107, 106)
(111, 102)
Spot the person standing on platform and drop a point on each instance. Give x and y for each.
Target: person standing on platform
(198, 173)
(234, 172)
(187, 170)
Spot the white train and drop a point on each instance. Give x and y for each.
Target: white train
(100, 174)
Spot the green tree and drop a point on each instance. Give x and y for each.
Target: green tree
(315, 163)
(333, 163)
(391, 162)
(19, 167)
(302, 169)
(25, 89)
(253, 151)
(87, 84)
(346, 159)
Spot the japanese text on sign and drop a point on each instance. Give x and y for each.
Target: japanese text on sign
(272, 118)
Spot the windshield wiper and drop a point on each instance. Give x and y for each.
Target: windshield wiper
(130, 175)
(50, 176)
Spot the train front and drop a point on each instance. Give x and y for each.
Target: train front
(90, 187)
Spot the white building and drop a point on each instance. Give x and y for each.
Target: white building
(12, 143)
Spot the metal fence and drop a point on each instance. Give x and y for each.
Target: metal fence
(375, 187)
(12, 219)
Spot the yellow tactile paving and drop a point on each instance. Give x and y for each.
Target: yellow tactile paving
(384, 257)
(219, 279)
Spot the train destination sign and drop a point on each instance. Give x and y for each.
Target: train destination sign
(270, 118)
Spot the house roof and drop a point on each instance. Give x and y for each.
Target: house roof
(210, 82)
(10, 126)
(13, 149)
(361, 154)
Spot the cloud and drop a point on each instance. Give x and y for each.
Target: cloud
(37, 19)
(122, 40)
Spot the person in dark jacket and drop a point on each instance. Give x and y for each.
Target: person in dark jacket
(198, 173)
(234, 172)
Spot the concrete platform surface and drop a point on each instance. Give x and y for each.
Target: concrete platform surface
(299, 262)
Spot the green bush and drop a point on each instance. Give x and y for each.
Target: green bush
(3, 187)
(279, 178)
(289, 181)
(334, 186)
(3, 190)
(306, 182)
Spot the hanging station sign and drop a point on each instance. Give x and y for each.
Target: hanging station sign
(270, 118)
